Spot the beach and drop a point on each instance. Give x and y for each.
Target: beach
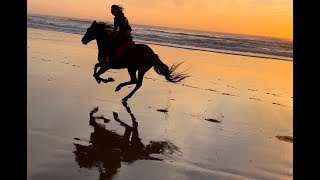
(231, 119)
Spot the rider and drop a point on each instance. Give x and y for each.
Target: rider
(123, 28)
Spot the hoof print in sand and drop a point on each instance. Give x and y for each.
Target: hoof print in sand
(231, 86)
(212, 120)
(150, 78)
(277, 104)
(285, 138)
(189, 86)
(255, 99)
(162, 110)
(228, 94)
(211, 90)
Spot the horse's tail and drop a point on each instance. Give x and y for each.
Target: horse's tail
(167, 72)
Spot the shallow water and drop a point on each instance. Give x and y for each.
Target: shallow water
(251, 99)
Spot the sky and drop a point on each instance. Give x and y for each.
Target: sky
(273, 18)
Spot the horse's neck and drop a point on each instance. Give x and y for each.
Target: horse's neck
(102, 44)
(105, 45)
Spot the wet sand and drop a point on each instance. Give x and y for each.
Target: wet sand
(232, 119)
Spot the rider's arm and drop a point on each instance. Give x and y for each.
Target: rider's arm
(114, 30)
(115, 26)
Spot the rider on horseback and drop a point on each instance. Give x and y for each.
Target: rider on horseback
(121, 31)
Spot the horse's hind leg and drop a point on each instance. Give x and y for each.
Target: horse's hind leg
(138, 85)
(133, 79)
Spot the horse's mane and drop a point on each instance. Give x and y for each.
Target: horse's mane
(104, 25)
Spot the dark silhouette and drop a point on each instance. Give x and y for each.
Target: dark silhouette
(108, 149)
(122, 28)
(137, 57)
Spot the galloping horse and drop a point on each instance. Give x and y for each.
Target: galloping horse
(137, 57)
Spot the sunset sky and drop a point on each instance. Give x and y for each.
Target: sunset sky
(256, 17)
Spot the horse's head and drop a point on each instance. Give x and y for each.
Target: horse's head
(95, 31)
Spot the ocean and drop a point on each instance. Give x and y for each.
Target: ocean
(238, 44)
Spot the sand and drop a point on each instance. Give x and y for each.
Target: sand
(232, 119)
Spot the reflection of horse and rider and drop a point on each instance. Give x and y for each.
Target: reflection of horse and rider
(116, 50)
(108, 149)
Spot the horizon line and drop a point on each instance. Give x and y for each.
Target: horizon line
(207, 31)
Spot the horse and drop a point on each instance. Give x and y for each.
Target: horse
(136, 58)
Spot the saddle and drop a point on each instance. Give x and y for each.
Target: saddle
(123, 41)
(119, 44)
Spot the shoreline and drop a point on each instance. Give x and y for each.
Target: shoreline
(263, 56)
(290, 59)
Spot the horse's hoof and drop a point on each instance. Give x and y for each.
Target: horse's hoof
(104, 80)
(110, 79)
(118, 88)
(125, 99)
(98, 79)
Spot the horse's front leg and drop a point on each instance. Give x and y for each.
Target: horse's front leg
(95, 68)
(103, 68)
(95, 75)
